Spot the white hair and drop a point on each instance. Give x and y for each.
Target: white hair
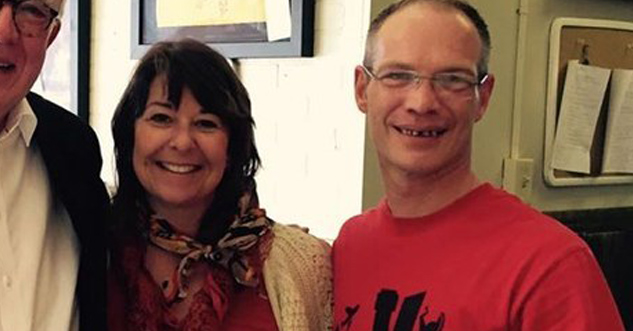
(58, 5)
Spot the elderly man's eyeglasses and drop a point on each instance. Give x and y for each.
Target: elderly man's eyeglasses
(448, 82)
(31, 17)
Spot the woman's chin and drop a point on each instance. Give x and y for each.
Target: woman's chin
(179, 202)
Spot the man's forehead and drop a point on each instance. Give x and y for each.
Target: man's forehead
(406, 36)
(55, 4)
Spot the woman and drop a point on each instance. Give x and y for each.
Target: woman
(191, 250)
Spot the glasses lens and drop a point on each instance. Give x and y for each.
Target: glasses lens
(398, 79)
(33, 17)
(449, 86)
(454, 82)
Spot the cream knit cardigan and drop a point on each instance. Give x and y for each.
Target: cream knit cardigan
(298, 280)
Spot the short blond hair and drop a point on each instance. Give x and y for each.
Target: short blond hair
(461, 6)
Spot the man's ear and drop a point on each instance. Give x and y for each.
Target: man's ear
(55, 26)
(485, 92)
(360, 88)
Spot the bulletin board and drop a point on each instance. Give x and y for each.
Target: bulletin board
(602, 43)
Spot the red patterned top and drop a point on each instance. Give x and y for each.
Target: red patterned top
(141, 305)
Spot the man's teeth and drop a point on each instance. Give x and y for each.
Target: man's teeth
(426, 134)
(5, 66)
(181, 169)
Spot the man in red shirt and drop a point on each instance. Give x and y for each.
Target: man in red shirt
(444, 251)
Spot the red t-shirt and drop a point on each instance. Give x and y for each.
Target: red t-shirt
(486, 262)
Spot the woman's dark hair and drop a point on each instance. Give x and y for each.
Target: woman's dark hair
(207, 74)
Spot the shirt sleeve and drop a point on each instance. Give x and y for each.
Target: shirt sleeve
(572, 295)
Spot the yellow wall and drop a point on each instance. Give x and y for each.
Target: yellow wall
(540, 15)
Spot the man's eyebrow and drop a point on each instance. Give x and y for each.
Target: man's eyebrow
(396, 65)
(458, 71)
(408, 67)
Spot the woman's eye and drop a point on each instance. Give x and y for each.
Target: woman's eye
(160, 118)
(207, 124)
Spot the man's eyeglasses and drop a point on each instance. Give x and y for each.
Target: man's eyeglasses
(449, 82)
(31, 17)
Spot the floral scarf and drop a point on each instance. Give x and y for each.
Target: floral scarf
(236, 258)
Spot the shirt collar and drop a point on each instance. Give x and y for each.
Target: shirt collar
(23, 118)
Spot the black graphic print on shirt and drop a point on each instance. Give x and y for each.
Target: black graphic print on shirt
(407, 314)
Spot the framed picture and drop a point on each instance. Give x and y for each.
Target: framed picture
(65, 76)
(235, 28)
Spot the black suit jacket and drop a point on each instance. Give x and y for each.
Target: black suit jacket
(71, 153)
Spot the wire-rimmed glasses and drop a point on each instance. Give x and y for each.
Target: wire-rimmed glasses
(32, 18)
(445, 84)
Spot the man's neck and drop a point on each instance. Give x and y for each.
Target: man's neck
(5, 111)
(417, 196)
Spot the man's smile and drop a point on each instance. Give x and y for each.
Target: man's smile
(430, 133)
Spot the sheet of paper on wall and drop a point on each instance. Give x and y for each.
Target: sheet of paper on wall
(278, 22)
(583, 94)
(171, 13)
(618, 148)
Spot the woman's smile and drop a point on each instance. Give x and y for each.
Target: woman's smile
(178, 168)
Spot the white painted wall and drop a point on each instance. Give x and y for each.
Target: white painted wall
(309, 132)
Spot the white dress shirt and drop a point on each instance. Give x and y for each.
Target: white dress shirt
(39, 251)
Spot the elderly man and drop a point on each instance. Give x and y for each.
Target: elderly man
(444, 251)
(52, 201)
